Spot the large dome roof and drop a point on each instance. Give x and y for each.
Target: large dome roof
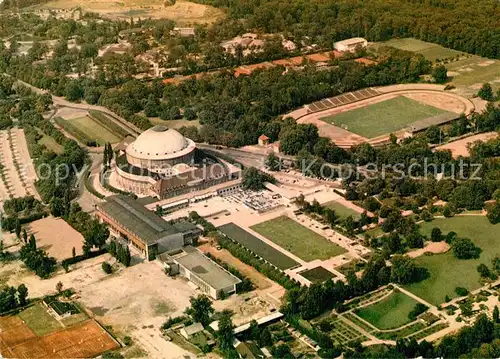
(159, 142)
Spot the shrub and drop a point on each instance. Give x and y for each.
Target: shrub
(461, 291)
(106, 267)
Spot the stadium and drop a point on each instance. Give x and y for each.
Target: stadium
(163, 163)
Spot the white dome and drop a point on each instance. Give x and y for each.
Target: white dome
(159, 142)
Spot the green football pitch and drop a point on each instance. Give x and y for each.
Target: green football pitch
(383, 117)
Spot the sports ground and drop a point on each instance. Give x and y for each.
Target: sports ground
(390, 312)
(341, 210)
(446, 271)
(297, 239)
(86, 129)
(383, 117)
(257, 246)
(35, 334)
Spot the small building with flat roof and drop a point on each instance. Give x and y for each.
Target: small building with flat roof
(142, 228)
(207, 275)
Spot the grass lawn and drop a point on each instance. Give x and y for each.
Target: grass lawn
(383, 117)
(447, 272)
(317, 275)
(85, 129)
(391, 312)
(341, 210)
(39, 321)
(257, 246)
(51, 144)
(429, 50)
(298, 239)
(474, 70)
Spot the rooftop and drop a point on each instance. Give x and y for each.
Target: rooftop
(353, 41)
(206, 269)
(137, 219)
(434, 120)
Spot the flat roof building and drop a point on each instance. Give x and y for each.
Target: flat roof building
(350, 44)
(145, 230)
(207, 275)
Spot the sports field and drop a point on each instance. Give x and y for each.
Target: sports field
(390, 312)
(39, 321)
(257, 246)
(297, 239)
(317, 275)
(429, 50)
(447, 272)
(383, 117)
(341, 210)
(85, 129)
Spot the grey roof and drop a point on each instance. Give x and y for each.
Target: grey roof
(206, 269)
(186, 226)
(431, 121)
(138, 220)
(193, 328)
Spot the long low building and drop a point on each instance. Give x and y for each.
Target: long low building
(142, 228)
(203, 272)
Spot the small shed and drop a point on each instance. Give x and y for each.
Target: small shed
(193, 329)
(263, 140)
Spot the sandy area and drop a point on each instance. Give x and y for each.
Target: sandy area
(439, 100)
(57, 237)
(430, 247)
(71, 113)
(14, 183)
(135, 300)
(461, 147)
(183, 12)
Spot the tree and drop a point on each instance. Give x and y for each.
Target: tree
(201, 309)
(59, 287)
(106, 267)
(496, 315)
(494, 213)
(22, 295)
(273, 162)
(18, 229)
(265, 338)
(436, 235)
(461, 291)
(254, 180)
(464, 248)
(225, 335)
(433, 134)
(440, 74)
(403, 269)
(486, 92)
(483, 270)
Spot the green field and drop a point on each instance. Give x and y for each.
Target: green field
(297, 239)
(429, 50)
(51, 144)
(391, 312)
(86, 129)
(447, 272)
(383, 117)
(257, 246)
(39, 321)
(317, 274)
(341, 210)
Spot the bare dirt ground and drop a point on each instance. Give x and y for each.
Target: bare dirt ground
(461, 147)
(246, 307)
(71, 113)
(135, 301)
(439, 100)
(430, 247)
(57, 237)
(183, 12)
(13, 182)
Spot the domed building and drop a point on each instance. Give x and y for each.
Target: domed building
(163, 163)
